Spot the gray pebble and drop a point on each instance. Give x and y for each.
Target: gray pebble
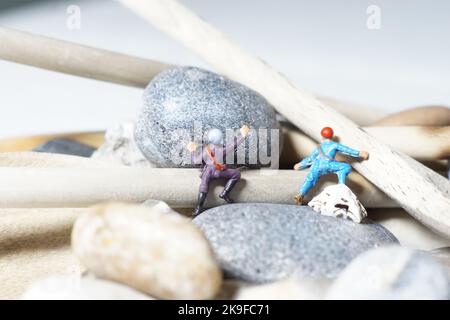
(181, 104)
(267, 242)
(66, 146)
(390, 273)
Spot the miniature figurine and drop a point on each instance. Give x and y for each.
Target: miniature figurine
(322, 161)
(212, 155)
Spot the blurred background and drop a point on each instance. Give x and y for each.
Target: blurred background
(325, 47)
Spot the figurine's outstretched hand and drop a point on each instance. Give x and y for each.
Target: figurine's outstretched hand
(297, 166)
(244, 130)
(364, 155)
(191, 146)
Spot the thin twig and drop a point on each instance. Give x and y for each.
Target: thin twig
(76, 59)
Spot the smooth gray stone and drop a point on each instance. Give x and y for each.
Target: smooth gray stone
(179, 97)
(392, 273)
(267, 242)
(66, 146)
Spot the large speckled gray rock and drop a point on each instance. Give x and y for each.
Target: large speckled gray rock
(183, 103)
(267, 242)
(392, 273)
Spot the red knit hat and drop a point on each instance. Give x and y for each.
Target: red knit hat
(327, 133)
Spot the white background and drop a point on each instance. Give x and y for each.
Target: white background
(323, 46)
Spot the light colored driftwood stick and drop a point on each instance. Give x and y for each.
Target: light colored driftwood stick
(422, 143)
(50, 160)
(45, 180)
(75, 59)
(423, 193)
(420, 116)
(362, 115)
(79, 60)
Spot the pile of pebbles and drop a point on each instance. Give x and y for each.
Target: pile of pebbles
(236, 251)
(259, 250)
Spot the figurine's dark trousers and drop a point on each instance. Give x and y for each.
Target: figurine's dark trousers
(210, 172)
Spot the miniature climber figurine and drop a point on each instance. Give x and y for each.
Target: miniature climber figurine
(322, 161)
(212, 155)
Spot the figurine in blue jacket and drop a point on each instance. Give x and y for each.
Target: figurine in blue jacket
(322, 161)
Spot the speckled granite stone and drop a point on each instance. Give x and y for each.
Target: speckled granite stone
(390, 273)
(267, 242)
(179, 97)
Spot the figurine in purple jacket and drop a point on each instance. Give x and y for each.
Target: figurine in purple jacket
(213, 155)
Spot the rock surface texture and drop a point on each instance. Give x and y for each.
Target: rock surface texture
(149, 249)
(119, 147)
(267, 242)
(339, 201)
(392, 273)
(181, 104)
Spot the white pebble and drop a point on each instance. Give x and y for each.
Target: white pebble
(162, 254)
(77, 288)
(289, 289)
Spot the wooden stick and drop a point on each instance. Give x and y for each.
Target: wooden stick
(422, 143)
(75, 59)
(33, 180)
(420, 116)
(362, 115)
(423, 193)
(49, 160)
(79, 60)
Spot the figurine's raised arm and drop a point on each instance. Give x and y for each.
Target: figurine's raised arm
(196, 158)
(191, 146)
(351, 152)
(308, 161)
(244, 132)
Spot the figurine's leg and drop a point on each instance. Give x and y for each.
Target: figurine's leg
(342, 170)
(308, 184)
(233, 176)
(203, 191)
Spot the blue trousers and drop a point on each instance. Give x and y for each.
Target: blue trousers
(341, 169)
